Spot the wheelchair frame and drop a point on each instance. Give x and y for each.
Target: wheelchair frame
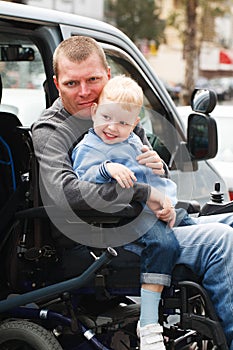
(186, 301)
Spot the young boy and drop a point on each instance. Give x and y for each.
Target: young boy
(108, 153)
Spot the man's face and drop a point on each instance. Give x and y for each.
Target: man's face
(79, 84)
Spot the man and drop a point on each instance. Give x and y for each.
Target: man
(81, 71)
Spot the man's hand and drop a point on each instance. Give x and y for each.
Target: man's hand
(123, 175)
(167, 213)
(152, 160)
(162, 207)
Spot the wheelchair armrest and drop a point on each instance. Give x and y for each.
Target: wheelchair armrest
(212, 208)
(120, 212)
(191, 206)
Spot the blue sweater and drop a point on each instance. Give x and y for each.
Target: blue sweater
(91, 154)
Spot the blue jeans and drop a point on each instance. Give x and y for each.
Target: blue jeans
(158, 249)
(207, 249)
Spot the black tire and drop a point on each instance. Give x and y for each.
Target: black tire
(25, 335)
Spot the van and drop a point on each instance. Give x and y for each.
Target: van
(28, 38)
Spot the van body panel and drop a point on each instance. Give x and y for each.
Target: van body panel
(43, 29)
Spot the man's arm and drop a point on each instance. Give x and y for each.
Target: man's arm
(60, 183)
(162, 207)
(149, 157)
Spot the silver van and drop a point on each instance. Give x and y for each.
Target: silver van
(28, 38)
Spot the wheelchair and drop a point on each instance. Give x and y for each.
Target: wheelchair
(97, 309)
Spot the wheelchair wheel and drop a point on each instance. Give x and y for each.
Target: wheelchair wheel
(25, 335)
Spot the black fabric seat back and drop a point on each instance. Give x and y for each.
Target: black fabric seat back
(13, 156)
(14, 165)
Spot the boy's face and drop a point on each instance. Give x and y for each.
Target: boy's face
(113, 123)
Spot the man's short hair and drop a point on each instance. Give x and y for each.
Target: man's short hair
(78, 49)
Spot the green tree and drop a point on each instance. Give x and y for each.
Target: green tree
(136, 18)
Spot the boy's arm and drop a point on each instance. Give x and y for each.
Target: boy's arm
(90, 164)
(123, 175)
(60, 183)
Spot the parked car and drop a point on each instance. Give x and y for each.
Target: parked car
(223, 86)
(223, 161)
(174, 90)
(34, 33)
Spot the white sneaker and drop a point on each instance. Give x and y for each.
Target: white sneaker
(151, 337)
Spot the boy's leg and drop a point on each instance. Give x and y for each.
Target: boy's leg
(150, 299)
(149, 330)
(159, 254)
(183, 218)
(158, 258)
(207, 250)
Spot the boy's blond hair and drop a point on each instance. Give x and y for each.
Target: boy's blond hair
(123, 89)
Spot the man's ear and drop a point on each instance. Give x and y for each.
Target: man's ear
(109, 72)
(55, 81)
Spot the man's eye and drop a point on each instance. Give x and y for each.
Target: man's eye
(93, 79)
(71, 83)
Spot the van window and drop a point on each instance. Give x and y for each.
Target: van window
(153, 116)
(22, 80)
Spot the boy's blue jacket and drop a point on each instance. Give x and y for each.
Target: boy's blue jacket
(91, 154)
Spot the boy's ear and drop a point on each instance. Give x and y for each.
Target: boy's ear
(93, 109)
(137, 121)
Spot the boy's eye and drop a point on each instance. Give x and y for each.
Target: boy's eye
(123, 123)
(106, 117)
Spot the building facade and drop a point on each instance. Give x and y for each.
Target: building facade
(90, 8)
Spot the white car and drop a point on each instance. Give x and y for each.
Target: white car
(223, 162)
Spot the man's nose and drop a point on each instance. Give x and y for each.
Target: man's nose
(83, 89)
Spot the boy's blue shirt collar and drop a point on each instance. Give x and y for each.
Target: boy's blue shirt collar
(91, 130)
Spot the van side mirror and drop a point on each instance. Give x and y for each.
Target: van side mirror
(202, 138)
(203, 100)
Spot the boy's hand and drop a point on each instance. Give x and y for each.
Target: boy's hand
(152, 160)
(124, 176)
